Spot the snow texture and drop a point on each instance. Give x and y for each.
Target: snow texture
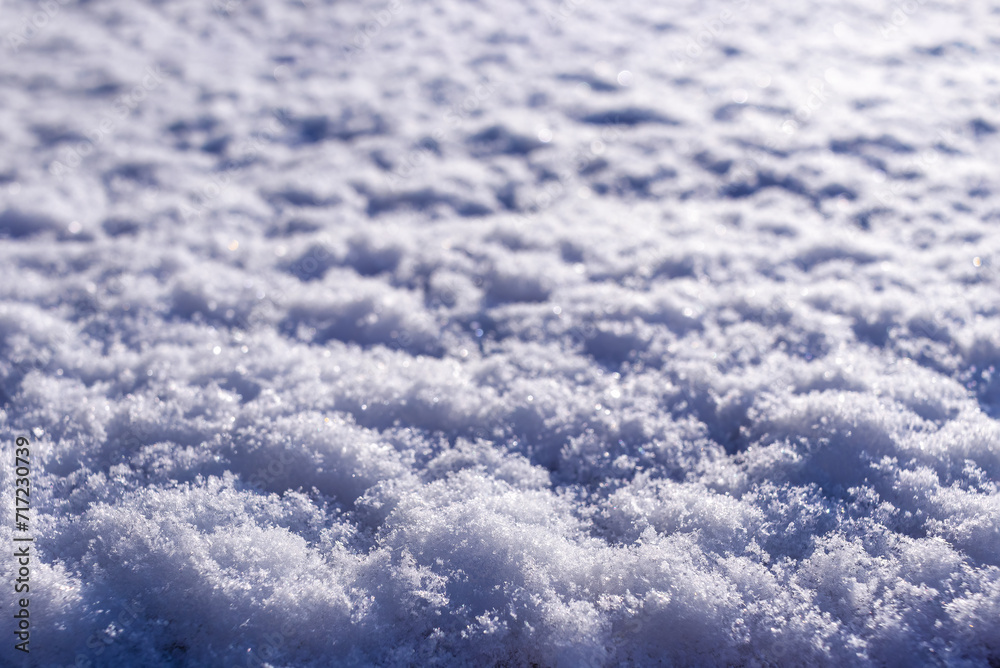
(503, 333)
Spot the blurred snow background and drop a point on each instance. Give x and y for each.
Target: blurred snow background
(482, 333)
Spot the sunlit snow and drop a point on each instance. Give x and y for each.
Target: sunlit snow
(495, 333)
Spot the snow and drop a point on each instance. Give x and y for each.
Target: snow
(471, 333)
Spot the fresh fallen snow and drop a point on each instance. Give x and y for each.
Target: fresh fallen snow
(484, 333)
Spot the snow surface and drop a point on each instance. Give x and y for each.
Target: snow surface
(504, 333)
